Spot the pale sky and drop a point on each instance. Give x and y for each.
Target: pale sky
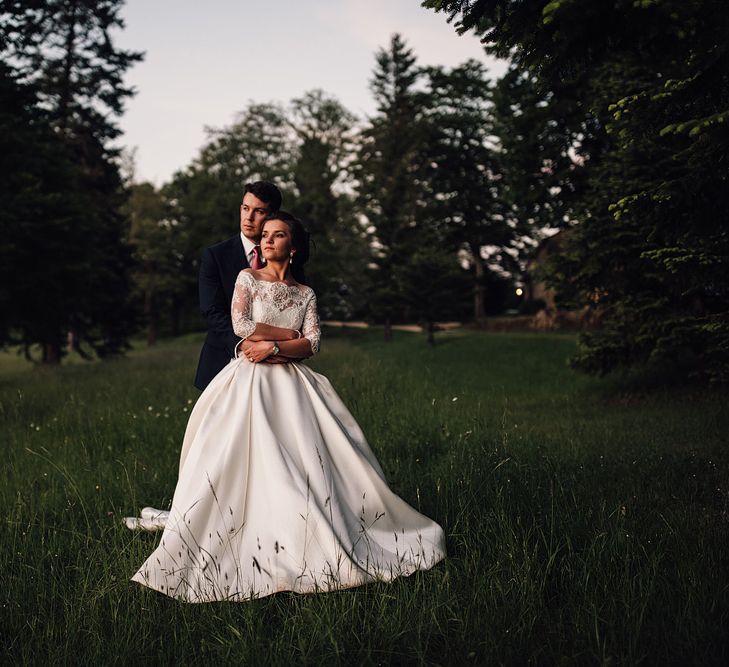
(205, 60)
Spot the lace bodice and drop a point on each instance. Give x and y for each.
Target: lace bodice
(274, 303)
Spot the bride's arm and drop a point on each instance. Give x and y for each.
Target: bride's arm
(308, 344)
(269, 332)
(240, 314)
(292, 348)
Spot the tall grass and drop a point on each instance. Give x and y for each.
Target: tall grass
(587, 521)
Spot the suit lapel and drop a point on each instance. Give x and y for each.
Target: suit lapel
(236, 261)
(238, 254)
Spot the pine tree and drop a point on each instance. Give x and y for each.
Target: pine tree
(463, 175)
(390, 171)
(646, 86)
(31, 159)
(203, 199)
(65, 50)
(324, 130)
(158, 244)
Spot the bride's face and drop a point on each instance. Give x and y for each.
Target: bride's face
(276, 241)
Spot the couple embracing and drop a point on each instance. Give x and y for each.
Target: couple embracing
(278, 489)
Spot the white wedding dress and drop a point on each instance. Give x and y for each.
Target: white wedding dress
(278, 489)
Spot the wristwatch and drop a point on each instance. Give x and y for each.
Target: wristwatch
(275, 350)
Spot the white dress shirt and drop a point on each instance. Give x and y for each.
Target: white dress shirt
(248, 246)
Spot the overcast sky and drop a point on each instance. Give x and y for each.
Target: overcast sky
(206, 60)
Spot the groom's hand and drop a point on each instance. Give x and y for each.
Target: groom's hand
(276, 360)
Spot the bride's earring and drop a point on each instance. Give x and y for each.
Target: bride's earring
(291, 258)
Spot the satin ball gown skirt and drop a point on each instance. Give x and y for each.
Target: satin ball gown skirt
(278, 490)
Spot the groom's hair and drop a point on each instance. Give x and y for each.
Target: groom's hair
(266, 192)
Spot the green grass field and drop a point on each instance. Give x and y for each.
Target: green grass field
(587, 521)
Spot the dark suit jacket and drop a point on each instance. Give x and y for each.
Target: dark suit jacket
(221, 264)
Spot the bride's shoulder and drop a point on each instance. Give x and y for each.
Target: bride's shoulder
(306, 290)
(247, 276)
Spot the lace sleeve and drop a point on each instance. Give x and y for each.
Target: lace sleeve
(310, 328)
(240, 309)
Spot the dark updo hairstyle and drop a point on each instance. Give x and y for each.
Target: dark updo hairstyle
(299, 239)
(265, 191)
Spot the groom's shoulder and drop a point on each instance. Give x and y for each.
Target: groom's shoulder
(222, 246)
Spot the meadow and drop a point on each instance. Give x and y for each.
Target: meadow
(587, 520)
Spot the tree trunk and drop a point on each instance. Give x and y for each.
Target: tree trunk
(150, 312)
(479, 291)
(388, 330)
(430, 326)
(51, 353)
(175, 316)
(70, 46)
(74, 345)
(152, 334)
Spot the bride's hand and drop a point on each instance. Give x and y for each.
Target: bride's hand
(259, 351)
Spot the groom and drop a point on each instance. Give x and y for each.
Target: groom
(220, 266)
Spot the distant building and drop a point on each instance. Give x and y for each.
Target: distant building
(537, 290)
(548, 315)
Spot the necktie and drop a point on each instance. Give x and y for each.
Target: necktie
(256, 262)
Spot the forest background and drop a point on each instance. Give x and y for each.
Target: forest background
(586, 518)
(610, 124)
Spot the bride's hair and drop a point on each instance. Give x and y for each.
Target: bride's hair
(299, 239)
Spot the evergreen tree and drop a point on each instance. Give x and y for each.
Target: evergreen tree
(64, 49)
(463, 176)
(158, 244)
(390, 171)
(538, 166)
(324, 129)
(31, 159)
(205, 196)
(648, 82)
(541, 172)
(431, 285)
(203, 199)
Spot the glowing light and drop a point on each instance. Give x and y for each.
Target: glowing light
(519, 291)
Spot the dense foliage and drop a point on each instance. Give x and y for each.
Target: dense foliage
(611, 122)
(65, 256)
(643, 90)
(403, 207)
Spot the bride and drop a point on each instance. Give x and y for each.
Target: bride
(278, 489)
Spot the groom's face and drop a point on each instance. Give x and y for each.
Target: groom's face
(252, 213)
